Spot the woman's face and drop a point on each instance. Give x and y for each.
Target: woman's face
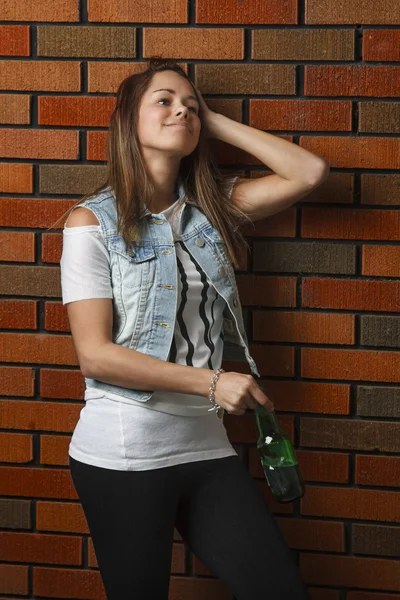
(168, 120)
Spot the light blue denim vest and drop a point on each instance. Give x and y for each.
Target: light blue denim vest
(144, 281)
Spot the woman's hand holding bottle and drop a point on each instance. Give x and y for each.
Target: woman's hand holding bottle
(236, 392)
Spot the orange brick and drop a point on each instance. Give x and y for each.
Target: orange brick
(140, 11)
(37, 348)
(301, 115)
(34, 143)
(78, 111)
(195, 43)
(15, 448)
(40, 75)
(60, 383)
(251, 12)
(45, 10)
(14, 40)
(383, 261)
(324, 466)
(16, 178)
(17, 381)
(17, 246)
(370, 365)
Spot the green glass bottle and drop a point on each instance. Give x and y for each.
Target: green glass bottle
(278, 459)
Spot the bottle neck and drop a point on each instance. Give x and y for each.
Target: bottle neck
(268, 421)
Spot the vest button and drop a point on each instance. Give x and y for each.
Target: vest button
(131, 252)
(221, 271)
(235, 302)
(199, 241)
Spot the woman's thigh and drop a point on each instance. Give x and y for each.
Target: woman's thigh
(131, 518)
(223, 518)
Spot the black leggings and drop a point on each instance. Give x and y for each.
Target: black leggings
(216, 506)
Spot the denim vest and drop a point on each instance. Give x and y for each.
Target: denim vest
(144, 281)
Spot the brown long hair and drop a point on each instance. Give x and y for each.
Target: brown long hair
(132, 184)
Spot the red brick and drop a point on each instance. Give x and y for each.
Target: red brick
(301, 115)
(303, 396)
(14, 110)
(45, 10)
(38, 348)
(324, 466)
(140, 11)
(350, 294)
(383, 261)
(194, 43)
(352, 80)
(16, 448)
(54, 449)
(40, 75)
(197, 588)
(381, 45)
(96, 145)
(13, 579)
(17, 381)
(55, 315)
(35, 143)
(345, 503)
(370, 596)
(377, 470)
(68, 583)
(36, 416)
(59, 383)
(32, 213)
(61, 516)
(356, 152)
(367, 365)
(16, 314)
(325, 536)
(350, 224)
(41, 548)
(16, 178)
(348, 571)
(303, 327)
(14, 40)
(249, 13)
(282, 224)
(17, 246)
(42, 483)
(77, 111)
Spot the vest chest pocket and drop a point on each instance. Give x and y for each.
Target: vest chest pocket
(135, 264)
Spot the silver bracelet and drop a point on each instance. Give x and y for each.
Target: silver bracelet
(215, 407)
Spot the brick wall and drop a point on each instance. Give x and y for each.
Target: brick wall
(320, 290)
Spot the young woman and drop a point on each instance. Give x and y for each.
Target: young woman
(148, 278)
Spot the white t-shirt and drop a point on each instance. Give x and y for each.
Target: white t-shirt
(123, 434)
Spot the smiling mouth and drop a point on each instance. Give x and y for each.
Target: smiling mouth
(179, 126)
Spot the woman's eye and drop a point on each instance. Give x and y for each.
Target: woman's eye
(166, 100)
